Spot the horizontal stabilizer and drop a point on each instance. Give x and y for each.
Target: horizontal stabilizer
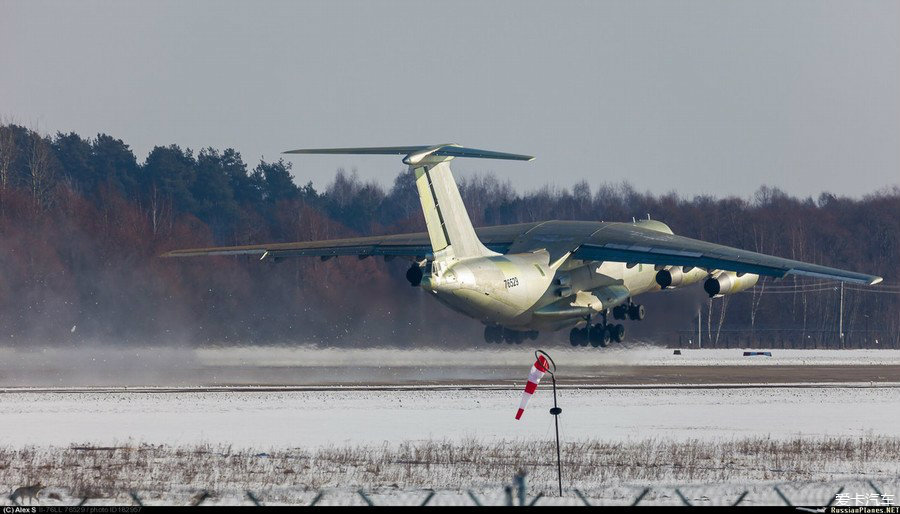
(415, 153)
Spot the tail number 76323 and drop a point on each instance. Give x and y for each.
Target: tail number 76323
(511, 282)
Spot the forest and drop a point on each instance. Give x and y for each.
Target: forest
(83, 222)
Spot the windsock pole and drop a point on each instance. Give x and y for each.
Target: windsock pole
(556, 411)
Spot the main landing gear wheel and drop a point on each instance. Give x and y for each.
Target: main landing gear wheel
(617, 332)
(513, 336)
(578, 337)
(493, 334)
(599, 336)
(620, 311)
(636, 312)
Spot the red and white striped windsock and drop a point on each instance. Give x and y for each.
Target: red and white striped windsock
(537, 372)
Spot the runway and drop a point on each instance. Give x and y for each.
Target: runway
(210, 369)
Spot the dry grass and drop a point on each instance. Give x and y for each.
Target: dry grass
(106, 472)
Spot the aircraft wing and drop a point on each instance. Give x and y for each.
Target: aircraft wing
(626, 242)
(416, 244)
(412, 245)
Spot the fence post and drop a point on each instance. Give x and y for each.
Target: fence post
(137, 500)
(520, 486)
(509, 500)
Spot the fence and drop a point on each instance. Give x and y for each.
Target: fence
(787, 338)
(811, 494)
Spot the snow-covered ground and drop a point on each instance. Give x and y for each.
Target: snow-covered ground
(264, 420)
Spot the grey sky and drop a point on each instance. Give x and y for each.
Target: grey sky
(699, 97)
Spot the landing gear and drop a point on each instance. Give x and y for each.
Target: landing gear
(578, 337)
(630, 310)
(636, 312)
(493, 334)
(600, 335)
(617, 332)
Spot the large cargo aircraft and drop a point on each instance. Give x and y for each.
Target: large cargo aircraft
(551, 275)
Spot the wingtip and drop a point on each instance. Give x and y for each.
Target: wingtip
(876, 280)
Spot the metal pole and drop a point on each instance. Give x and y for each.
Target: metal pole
(699, 327)
(556, 412)
(841, 318)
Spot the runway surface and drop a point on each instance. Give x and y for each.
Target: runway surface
(383, 367)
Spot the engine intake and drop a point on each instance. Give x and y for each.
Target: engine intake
(729, 282)
(676, 276)
(414, 275)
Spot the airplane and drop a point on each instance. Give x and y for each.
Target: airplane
(545, 276)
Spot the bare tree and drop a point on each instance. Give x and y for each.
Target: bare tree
(41, 169)
(7, 155)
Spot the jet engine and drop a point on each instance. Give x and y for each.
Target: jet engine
(676, 276)
(729, 282)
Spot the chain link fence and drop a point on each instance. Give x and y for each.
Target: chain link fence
(810, 494)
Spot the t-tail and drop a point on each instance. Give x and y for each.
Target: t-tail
(449, 225)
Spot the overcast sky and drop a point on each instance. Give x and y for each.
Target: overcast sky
(697, 97)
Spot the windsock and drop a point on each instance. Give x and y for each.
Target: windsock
(537, 372)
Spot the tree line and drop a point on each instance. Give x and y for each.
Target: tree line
(82, 223)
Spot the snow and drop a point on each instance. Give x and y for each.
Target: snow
(282, 419)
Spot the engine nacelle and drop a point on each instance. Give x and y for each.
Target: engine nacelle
(676, 276)
(729, 282)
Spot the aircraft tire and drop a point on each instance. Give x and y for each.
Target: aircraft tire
(596, 335)
(579, 336)
(493, 334)
(636, 312)
(574, 337)
(618, 332)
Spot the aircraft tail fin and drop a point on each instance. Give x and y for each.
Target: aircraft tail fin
(449, 226)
